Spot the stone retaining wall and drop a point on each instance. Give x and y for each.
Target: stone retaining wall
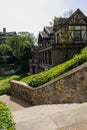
(67, 88)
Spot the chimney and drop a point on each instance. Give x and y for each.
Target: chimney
(4, 30)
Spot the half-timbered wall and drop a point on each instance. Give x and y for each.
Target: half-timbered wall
(77, 25)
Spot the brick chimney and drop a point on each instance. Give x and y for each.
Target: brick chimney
(4, 30)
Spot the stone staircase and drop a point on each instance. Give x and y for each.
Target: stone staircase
(52, 117)
(47, 117)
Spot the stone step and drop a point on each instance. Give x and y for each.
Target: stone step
(69, 117)
(42, 110)
(77, 126)
(43, 123)
(14, 103)
(50, 117)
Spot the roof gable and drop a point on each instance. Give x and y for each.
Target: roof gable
(43, 35)
(48, 29)
(77, 18)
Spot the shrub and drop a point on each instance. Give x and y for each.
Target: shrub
(5, 81)
(6, 120)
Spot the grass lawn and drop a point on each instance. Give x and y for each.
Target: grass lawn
(5, 82)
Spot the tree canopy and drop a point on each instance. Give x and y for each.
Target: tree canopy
(5, 53)
(5, 50)
(22, 46)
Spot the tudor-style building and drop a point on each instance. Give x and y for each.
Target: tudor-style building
(62, 41)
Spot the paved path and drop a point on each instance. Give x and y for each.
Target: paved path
(14, 103)
(52, 117)
(78, 126)
(47, 117)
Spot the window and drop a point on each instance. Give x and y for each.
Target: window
(57, 38)
(77, 35)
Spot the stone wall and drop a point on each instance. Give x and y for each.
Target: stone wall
(61, 54)
(58, 56)
(67, 88)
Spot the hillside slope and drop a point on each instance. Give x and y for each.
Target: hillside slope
(43, 77)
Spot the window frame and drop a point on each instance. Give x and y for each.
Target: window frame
(77, 35)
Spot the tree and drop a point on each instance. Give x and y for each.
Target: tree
(5, 53)
(66, 39)
(65, 36)
(26, 36)
(22, 45)
(14, 43)
(68, 13)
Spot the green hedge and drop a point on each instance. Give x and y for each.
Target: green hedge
(6, 119)
(43, 77)
(5, 81)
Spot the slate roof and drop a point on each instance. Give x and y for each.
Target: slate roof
(62, 21)
(44, 35)
(10, 33)
(4, 35)
(46, 32)
(49, 29)
(80, 12)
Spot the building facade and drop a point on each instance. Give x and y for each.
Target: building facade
(4, 35)
(62, 41)
(34, 62)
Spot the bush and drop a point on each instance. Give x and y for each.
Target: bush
(5, 81)
(6, 54)
(43, 77)
(6, 120)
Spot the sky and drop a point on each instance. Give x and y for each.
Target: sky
(33, 15)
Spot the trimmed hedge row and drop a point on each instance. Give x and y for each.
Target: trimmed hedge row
(43, 77)
(6, 120)
(5, 81)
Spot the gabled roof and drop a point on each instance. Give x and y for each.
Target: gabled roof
(77, 11)
(10, 33)
(43, 35)
(49, 29)
(61, 21)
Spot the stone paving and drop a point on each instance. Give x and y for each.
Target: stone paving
(14, 103)
(52, 117)
(47, 117)
(79, 126)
